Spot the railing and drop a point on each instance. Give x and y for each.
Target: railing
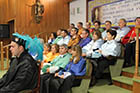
(136, 75)
(4, 50)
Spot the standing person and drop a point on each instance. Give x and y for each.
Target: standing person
(23, 71)
(64, 79)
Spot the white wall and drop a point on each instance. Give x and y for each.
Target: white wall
(78, 11)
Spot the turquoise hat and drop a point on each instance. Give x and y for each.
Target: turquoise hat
(34, 46)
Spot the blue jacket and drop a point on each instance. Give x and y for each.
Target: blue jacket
(84, 42)
(78, 69)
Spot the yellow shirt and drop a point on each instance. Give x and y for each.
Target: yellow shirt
(73, 41)
(80, 31)
(50, 56)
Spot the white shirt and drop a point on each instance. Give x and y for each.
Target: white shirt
(92, 45)
(104, 34)
(121, 33)
(111, 48)
(64, 40)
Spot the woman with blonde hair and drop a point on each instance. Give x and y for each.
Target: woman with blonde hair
(63, 80)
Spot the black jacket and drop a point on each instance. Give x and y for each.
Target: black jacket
(22, 74)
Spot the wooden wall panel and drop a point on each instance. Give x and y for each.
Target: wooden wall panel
(56, 15)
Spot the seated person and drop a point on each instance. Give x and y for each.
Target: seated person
(59, 37)
(72, 25)
(65, 38)
(122, 31)
(97, 25)
(64, 79)
(47, 49)
(52, 37)
(129, 42)
(74, 37)
(80, 28)
(22, 68)
(51, 55)
(85, 38)
(88, 26)
(108, 25)
(93, 45)
(109, 51)
(58, 63)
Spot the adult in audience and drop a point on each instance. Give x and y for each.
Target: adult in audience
(80, 28)
(88, 26)
(85, 38)
(51, 55)
(129, 42)
(65, 78)
(74, 37)
(58, 63)
(65, 38)
(122, 31)
(109, 51)
(107, 27)
(93, 45)
(72, 25)
(59, 37)
(52, 37)
(47, 49)
(97, 25)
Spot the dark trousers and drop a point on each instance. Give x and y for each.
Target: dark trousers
(44, 82)
(130, 50)
(58, 85)
(129, 53)
(103, 63)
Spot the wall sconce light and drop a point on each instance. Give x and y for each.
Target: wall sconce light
(38, 11)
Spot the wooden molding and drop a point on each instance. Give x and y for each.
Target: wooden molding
(68, 1)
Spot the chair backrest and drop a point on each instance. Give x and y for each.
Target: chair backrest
(88, 70)
(36, 90)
